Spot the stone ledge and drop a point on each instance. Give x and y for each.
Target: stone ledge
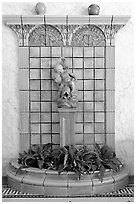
(39, 19)
(48, 182)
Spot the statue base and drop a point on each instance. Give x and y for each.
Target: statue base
(67, 126)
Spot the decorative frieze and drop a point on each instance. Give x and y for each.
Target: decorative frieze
(65, 31)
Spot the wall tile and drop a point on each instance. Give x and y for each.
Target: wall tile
(99, 51)
(23, 57)
(110, 79)
(45, 63)
(46, 138)
(35, 139)
(45, 96)
(99, 73)
(69, 63)
(23, 79)
(77, 63)
(79, 117)
(80, 95)
(88, 106)
(78, 139)
(99, 128)
(88, 84)
(99, 106)
(45, 74)
(55, 117)
(88, 95)
(35, 95)
(80, 84)
(79, 128)
(55, 128)
(56, 138)
(88, 128)
(32, 189)
(12, 183)
(35, 106)
(67, 51)
(100, 138)
(88, 62)
(45, 117)
(88, 51)
(34, 62)
(35, 117)
(35, 128)
(35, 74)
(99, 84)
(99, 62)
(53, 191)
(45, 85)
(45, 106)
(45, 51)
(34, 51)
(110, 57)
(88, 73)
(88, 139)
(24, 142)
(35, 85)
(80, 106)
(99, 95)
(99, 117)
(110, 100)
(24, 123)
(24, 101)
(56, 51)
(54, 107)
(110, 122)
(45, 128)
(77, 51)
(110, 140)
(54, 96)
(88, 117)
(78, 73)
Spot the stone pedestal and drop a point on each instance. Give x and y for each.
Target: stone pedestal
(67, 126)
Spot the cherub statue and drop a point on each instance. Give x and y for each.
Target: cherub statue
(66, 82)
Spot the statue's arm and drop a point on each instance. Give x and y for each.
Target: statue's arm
(60, 90)
(72, 75)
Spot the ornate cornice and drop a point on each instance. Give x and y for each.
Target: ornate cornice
(65, 31)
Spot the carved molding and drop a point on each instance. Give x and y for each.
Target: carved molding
(109, 30)
(70, 31)
(45, 36)
(87, 35)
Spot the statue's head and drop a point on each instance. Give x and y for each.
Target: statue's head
(58, 68)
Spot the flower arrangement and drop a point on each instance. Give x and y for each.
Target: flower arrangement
(69, 158)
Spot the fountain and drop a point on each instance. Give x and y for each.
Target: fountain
(82, 117)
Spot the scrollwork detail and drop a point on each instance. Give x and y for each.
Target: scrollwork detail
(45, 36)
(63, 35)
(88, 35)
(18, 31)
(110, 30)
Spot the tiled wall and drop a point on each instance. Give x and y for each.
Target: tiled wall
(94, 68)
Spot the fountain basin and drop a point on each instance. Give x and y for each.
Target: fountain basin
(49, 183)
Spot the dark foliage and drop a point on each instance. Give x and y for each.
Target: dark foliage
(69, 158)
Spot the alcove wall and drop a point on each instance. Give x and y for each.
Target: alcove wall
(123, 78)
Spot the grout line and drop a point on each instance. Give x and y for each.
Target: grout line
(105, 92)
(29, 105)
(40, 98)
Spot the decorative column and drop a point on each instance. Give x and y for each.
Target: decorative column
(67, 126)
